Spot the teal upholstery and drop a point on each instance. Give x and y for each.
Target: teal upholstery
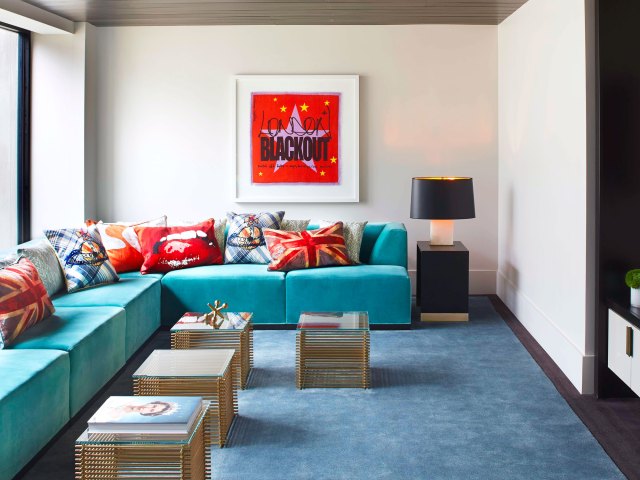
(94, 338)
(382, 290)
(391, 246)
(137, 274)
(249, 288)
(140, 297)
(34, 403)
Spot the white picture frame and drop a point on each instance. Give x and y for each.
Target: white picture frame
(346, 189)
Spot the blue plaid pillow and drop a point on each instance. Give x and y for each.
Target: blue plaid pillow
(245, 241)
(83, 257)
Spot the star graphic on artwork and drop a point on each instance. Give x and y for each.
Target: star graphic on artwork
(275, 99)
(334, 159)
(326, 103)
(283, 108)
(322, 173)
(260, 173)
(304, 107)
(295, 129)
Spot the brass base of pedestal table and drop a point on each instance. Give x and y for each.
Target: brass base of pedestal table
(332, 359)
(240, 340)
(103, 460)
(219, 392)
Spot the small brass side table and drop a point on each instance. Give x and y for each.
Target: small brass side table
(204, 373)
(332, 350)
(102, 456)
(235, 332)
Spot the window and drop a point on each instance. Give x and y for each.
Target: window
(14, 136)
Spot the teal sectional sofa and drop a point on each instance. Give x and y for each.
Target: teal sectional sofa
(56, 367)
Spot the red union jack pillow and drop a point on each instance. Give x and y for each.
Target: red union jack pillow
(24, 300)
(323, 247)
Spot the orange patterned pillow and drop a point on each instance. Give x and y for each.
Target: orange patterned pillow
(122, 245)
(23, 300)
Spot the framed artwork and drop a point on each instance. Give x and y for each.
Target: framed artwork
(296, 138)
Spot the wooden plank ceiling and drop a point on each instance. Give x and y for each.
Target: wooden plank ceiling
(281, 12)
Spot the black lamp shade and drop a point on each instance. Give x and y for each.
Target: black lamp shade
(442, 198)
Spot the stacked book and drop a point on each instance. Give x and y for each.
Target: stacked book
(196, 321)
(158, 415)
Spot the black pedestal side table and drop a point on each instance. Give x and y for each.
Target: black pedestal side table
(442, 293)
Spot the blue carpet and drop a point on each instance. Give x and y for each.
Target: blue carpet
(449, 401)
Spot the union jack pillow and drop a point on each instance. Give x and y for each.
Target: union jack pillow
(24, 300)
(82, 256)
(323, 247)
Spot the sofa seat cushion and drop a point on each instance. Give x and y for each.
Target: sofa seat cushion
(137, 274)
(140, 297)
(245, 287)
(94, 339)
(382, 290)
(34, 403)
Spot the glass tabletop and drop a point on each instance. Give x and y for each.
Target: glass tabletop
(142, 439)
(195, 321)
(334, 320)
(186, 363)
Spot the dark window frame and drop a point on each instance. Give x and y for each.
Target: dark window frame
(24, 132)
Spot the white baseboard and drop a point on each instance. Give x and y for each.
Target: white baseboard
(575, 364)
(481, 282)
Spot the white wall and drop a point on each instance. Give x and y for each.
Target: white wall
(428, 106)
(62, 129)
(543, 179)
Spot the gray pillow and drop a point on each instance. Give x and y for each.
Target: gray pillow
(44, 257)
(9, 259)
(294, 225)
(353, 233)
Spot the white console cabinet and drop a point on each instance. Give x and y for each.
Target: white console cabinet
(624, 351)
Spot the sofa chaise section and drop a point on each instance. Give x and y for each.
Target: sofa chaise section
(245, 288)
(94, 340)
(138, 295)
(34, 403)
(380, 285)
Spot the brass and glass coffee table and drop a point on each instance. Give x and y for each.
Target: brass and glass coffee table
(100, 456)
(332, 350)
(236, 331)
(204, 373)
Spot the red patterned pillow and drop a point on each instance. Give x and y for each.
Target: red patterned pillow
(172, 248)
(307, 249)
(24, 300)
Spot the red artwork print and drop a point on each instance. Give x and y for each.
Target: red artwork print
(294, 138)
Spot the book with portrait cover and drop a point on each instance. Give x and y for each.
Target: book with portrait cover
(146, 415)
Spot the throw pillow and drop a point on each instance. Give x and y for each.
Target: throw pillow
(245, 241)
(220, 227)
(83, 257)
(294, 225)
(172, 248)
(23, 300)
(307, 249)
(9, 259)
(353, 233)
(46, 261)
(122, 245)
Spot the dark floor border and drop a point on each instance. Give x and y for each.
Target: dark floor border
(615, 423)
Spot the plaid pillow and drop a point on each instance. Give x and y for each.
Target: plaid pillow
(245, 241)
(23, 300)
(83, 257)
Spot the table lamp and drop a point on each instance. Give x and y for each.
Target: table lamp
(442, 200)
